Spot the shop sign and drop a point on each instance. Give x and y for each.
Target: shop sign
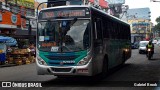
(30, 12)
(12, 1)
(14, 18)
(33, 23)
(0, 17)
(15, 9)
(23, 23)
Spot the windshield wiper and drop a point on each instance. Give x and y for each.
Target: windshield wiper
(74, 20)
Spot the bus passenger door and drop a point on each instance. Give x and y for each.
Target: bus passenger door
(98, 41)
(98, 44)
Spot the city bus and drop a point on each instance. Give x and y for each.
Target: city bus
(79, 40)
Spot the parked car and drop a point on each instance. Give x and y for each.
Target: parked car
(142, 46)
(154, 41)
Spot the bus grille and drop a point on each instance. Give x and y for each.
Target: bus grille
(57, 60)
(61, 69)
(61, 57)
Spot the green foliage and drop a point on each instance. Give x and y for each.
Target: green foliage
(158, 19)
(157, 27)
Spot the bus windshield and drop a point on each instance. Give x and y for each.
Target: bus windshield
(63, 35)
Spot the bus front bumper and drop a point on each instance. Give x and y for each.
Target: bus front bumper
(85, 70)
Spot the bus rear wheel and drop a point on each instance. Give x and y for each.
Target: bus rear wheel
(123, 58)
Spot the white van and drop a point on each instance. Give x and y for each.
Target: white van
(142, 46)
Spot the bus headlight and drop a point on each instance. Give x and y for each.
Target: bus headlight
(126, 50)
(85, 60)
(41, 61)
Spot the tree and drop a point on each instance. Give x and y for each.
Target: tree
(157, 27)
(158, 19)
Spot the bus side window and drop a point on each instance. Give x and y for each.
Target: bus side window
(122, 32)
(111, 30)
(126, 31)
(129, 37)
(98, 29)
(117, 31)
(106, 30)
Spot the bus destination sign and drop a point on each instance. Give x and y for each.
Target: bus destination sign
(63, 13)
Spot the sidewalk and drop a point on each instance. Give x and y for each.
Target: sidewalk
(157, 52)
(157, 47)
(14, 64)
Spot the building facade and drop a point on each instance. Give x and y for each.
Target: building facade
(9, 22)
(139, 19)
(14, 14)
(100, 4)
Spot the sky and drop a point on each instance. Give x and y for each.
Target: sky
(154, 7)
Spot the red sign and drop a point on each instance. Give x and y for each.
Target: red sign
(92, 1)
(103, 4)
(49, 44)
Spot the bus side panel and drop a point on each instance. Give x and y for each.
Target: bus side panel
(115, 40)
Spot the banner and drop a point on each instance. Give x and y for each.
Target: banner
(103, 4)
(25, 3)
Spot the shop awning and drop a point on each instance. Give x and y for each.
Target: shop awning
(103, 3)
(3, 39)
(9, 41)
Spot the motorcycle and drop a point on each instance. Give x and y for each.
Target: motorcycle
(149, 54)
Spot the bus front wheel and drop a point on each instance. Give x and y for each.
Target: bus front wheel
(104, 68)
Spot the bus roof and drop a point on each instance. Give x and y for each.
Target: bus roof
(69, 6)
(112, 17)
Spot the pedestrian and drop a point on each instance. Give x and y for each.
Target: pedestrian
(32, 49)
(9, 49)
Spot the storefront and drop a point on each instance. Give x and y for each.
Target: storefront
(26, 10)
(12, 24)
(9, 22)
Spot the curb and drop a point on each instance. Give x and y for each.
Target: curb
(8, 65)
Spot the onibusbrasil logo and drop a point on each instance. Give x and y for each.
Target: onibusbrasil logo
(21, 84)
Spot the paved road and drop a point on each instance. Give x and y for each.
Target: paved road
(139, 68)
(135, 70)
